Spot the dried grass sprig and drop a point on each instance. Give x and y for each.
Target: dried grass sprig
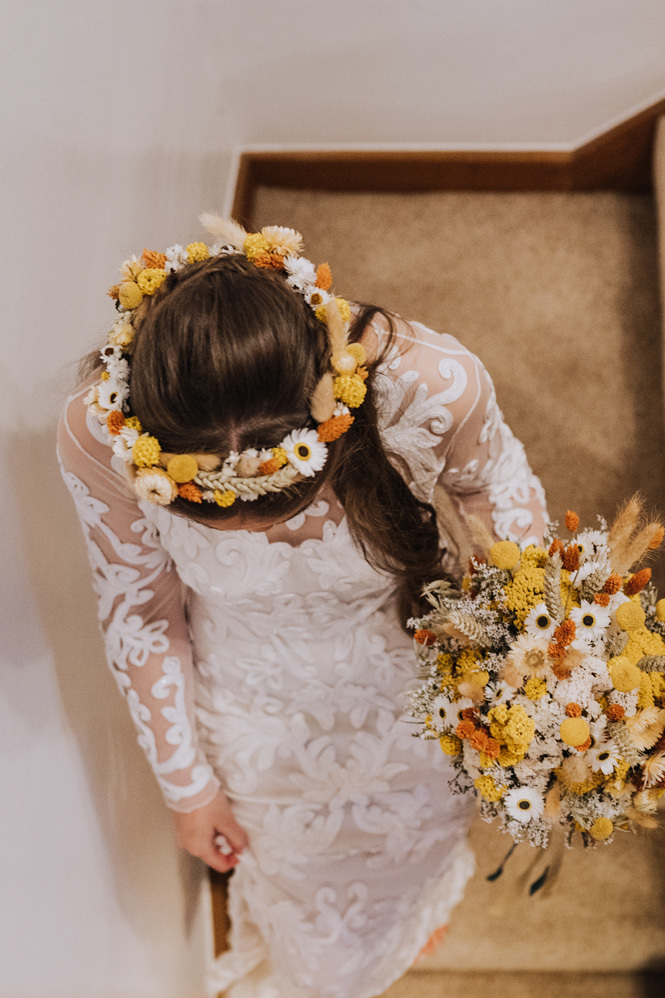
(552, 586)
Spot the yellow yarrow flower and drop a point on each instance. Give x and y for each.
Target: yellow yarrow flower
(510, 757)
(487, 788)
(645, 697)
(525, 591)
(344, 311)
(146, 451)
(255, 244)
(641, 642)
(535, 688)
(134, 423)
(226, 498)
(450, 744)
(196, 252)
(150, 279)
(468, 661)
(660, 611)
(279, 455)
(512, 726)
(350, 389)
(534, 557)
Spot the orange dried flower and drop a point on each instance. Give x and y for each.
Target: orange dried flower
(554, 649)
(334, 427)
(269, 467)
(573, 710)
(465, 729)
(115, 422)
(114, 292)
(584, 746)
(492, 748)
(657, 539)
(323, 277)
(565, 632)
(615, 711)
(425, 637)
(556, 547)
(188, 490)
(613, 584)
(469, 714)
(362, 372)
(153, 259)
(602, 599)
(478, 740)
(571, 558)
(572, 520)
(558, 665)
(637, 582)
(272, 261)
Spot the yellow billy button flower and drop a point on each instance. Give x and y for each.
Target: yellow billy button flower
(574, 731)
(450, 744)
(630, 616)
(130, 295)
(601, 829)
(182, 468)
(624, 674)
(660, 610)
(504, 554)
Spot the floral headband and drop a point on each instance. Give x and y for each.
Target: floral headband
(161, 477)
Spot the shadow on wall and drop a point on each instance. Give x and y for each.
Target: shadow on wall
(154, 883)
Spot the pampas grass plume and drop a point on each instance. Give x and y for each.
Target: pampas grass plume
(226, 230)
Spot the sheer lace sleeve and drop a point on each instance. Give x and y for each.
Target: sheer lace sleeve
(442, 426)
(141, 613)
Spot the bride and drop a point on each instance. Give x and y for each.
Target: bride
(263, 501)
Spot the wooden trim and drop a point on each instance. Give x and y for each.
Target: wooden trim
(619, 159)
(220, 919)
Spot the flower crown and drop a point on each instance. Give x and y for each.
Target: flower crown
(161, 477)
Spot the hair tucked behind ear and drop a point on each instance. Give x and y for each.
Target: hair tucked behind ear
(227, 357)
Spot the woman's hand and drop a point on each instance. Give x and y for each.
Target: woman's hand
(197, 831)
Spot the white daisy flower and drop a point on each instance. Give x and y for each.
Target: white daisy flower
(524, 804)
(118, 369)
(305, 451)
(539, 623)
(176, 258)
(447, 713)
(123, 443)
(301, 271)
(590, 543)
(591, 621)
(111, 394)
(316, 296)
(603, 757)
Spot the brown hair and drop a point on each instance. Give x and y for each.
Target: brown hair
(227, 356)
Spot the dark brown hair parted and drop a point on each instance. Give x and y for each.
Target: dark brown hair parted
(227, 357)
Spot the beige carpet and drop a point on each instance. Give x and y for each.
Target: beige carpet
(558, 294)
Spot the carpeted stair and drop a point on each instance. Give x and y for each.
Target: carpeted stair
(558, 293)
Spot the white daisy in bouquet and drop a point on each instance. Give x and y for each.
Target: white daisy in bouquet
(543, 679)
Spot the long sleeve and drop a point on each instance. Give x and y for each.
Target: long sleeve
(442, 427)
(141, 613)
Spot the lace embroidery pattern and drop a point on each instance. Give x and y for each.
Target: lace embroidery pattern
(121, 589)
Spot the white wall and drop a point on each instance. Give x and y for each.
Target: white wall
(118, 123)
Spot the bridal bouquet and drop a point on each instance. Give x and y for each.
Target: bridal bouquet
(544, 681)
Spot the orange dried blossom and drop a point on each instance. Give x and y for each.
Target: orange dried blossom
(478, 740)
(492, 748)
(657, 539)
(602, 599)
(637, 582)
(115, 422)
(615, 711)
(613, 584)
(571, 558)
(425, 637)
(114, 291)
(188, 490)
(323, 277)
(269, 467)
(469, 714)
(151, 258)
(565, 632)
(270, 261)
(572, 520)
(556, 547)
(465, 729)
(334, 427)
(584, 746)
(573, 710)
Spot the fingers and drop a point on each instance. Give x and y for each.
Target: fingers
(214, 858)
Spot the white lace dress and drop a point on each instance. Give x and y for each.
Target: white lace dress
(274, 663)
